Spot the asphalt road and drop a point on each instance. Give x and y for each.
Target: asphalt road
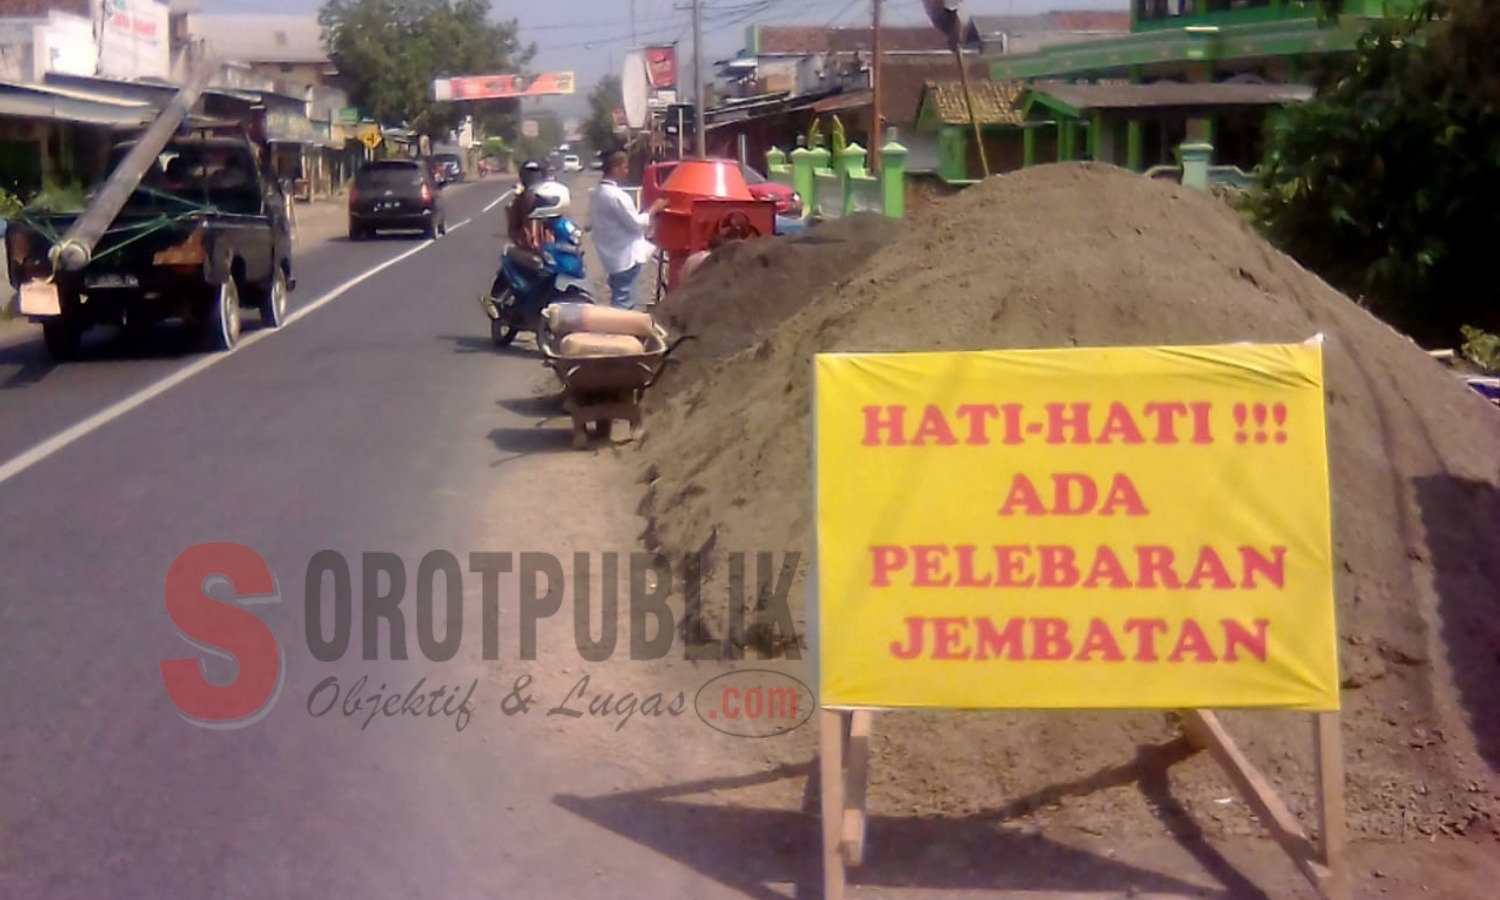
(370, 423)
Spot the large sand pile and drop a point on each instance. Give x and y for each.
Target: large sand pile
(747, 289)
(1088, 255)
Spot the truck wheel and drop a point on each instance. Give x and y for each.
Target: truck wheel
(223, 317)
(62, 339)
(273, 301)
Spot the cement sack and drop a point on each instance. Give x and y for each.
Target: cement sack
(575, 318)
(585, 345)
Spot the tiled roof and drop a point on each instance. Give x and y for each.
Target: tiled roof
(995, 102)
(37, 9)
(903, 82)
(892, 40)
(1066, 20)
(1092, 20)
(795, 40)
(804, 41)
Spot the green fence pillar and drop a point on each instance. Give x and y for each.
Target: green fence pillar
(1028, 146)
(1067, 132)
(1196, 156)
(1096, 138)
(851, 160)
(893, 180)
(1134, 145)
(850, 164)
(803, 181)
(819, 159)
(775, 159)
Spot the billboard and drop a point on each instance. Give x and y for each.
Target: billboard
(1103, 528)
(661, 68)
(500, 87)
(635, 89)
(133, 39)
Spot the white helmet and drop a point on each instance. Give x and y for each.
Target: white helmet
(549, 200)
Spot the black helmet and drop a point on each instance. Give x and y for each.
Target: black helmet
(531, 173)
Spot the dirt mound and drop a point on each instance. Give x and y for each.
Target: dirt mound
(1084, 255)
(746, 289)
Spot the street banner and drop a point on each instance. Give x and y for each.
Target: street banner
(498, 87)
(661, 68)
(1117, 528)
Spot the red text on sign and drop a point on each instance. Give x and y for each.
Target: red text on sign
(1063, 567)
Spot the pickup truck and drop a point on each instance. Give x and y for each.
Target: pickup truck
(204, 235)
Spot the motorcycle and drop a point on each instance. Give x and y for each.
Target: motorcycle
(527, 283)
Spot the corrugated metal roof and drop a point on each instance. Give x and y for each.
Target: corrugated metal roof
(72, 94)
(35, 101)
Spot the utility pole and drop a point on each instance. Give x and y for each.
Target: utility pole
(633, 42)
(700, 96)
(876, 132)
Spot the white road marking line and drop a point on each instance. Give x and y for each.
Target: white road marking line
(459, 225)
(501, 199)
(98, 420)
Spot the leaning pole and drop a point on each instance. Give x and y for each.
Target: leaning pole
(76, 247)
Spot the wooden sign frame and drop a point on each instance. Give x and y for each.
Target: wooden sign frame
(844, 760)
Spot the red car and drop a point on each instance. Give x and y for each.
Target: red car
(788, 201)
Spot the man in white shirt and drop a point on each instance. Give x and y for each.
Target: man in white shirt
(620, 232)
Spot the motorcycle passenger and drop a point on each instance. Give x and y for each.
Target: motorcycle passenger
(560, 234)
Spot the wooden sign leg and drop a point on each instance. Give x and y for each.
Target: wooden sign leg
(856, 817)
(831, 773)
(1332, 830)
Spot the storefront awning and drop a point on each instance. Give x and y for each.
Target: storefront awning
(34, 101)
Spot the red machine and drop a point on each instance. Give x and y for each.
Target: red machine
(708, 203)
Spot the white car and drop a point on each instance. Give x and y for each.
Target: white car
(572, 164)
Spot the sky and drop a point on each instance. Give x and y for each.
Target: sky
(591, 37)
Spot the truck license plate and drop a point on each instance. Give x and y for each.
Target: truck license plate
(40, 298)
(113, 281)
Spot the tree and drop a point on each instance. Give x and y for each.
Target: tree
(599, 130)
(1385, 183)
(390, 51)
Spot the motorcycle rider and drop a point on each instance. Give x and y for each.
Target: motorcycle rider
(548, 225)
(520, 224)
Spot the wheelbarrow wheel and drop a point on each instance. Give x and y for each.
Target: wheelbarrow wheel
(503, 333)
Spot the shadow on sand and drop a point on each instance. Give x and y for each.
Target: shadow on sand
(750, 850)
(1461, 519)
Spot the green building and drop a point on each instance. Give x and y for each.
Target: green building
(1206, 71)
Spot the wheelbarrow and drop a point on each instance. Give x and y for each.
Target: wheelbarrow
(599, 390)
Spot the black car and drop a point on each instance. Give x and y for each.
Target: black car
(395, 195)
(449, 166)
(204, 235)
